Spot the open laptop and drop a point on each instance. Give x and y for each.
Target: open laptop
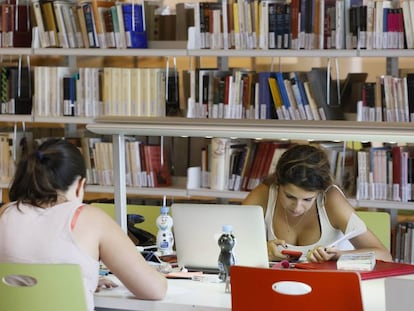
(197, 228)
(292, 289)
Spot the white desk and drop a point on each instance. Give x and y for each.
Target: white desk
(182, 295)
(194, 295)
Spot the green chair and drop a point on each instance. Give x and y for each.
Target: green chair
(41, 287)
(149, 212)
(379, 223)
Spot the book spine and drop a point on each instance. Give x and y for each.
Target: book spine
(90, 25)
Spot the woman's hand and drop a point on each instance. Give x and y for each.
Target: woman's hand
(105, 283)
(273, 250)
(321, 254)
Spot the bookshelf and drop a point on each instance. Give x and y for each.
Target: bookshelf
(119, 127)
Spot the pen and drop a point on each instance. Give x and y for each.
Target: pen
(347, 236)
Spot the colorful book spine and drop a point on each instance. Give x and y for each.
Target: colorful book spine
(134, 25)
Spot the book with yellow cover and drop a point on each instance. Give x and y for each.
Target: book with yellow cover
(277, 99)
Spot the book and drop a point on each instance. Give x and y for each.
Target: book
(75, 21)
(21, 90)
(22, 31)
(99, 8)
(63, 33)
(152, 21)
(267, 107)
(70, 19)
(219, 174)
(356, 261)
(157, 166)
(69, 95)
(287, 107)
(134, 24)
(382, 268)
(326, 99)
(50, 23)
(42, 34)
(7, 24)
(91, 34)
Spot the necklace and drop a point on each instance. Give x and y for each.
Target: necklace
(290, 228)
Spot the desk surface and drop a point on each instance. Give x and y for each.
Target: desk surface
(195, 295)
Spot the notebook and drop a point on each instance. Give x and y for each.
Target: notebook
(197, 228)
(291, 289)
(381, 269)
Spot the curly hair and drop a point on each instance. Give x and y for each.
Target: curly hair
(305, 166)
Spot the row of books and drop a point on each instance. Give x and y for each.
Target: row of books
(404, 242)
(389, 98)
(12, 148)
(304, 95)
(92, 92)
(239, 24)
(304, 24)
(386, 173)
(77, 24)
(241, 165)
(15, 89)
(368, 173)
(134, 91)
(16, 24)
(147, 165)
(246, 94)
(234, 93)
(60, 91)
(89, 24)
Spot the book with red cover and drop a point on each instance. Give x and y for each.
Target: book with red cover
(159, 172)
(382, 268)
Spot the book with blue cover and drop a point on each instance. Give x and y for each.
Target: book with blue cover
(134, 23)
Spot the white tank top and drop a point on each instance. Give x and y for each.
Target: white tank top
(37, 235)
(329, 234)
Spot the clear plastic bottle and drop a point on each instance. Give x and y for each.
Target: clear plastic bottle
(226, 258)
(165, 238)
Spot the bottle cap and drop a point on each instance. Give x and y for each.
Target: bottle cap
(164, 209)
(227, 228)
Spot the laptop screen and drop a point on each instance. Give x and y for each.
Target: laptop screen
(197, 228)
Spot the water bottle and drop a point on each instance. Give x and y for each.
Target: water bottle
(165, 238)
(226, 258)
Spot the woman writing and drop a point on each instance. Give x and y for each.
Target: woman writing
(305, 211)
(46, 222)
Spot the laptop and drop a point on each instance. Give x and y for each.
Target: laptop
(197, 228)
(292, 289)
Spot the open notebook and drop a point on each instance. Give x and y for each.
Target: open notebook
(197, 228)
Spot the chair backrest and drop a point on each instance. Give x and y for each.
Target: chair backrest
(149, 212)
(293, 289)
(41, 287)
(379, 223)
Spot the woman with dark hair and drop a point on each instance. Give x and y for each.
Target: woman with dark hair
(46, 222)
(305, 211)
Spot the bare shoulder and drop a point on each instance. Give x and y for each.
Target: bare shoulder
(90, 212)
(337, 207)
(258, 196)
